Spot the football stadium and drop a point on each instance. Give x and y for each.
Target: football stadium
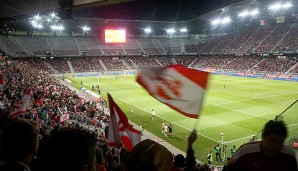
(149, 85)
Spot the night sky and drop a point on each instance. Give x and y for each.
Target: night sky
(156, 10)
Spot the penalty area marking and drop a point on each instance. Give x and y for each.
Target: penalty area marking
(255, 97)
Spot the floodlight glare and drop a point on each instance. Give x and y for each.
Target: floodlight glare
(39, 26)
(183, 30)
(33, 22)
(85, 28)
(53, 15)
(243, 14)
(37, 17)
(48, 20)
(287, 5)
(254, 12)
(275, 6)
(226, 20)
(57, 27)
(170, 31)
(216, 21)
(147, 30)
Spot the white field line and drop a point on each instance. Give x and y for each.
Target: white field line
(171, 122)
(241, 138)
(245, 113)
(219, 104)
(277, 94)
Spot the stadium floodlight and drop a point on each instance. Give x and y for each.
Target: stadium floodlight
(254, 12)
(53, 15)
(216, 21)
(86, 29)
(287, 5)
(57, 27)
(38, 26)
(183, 30)
(246, 13)
(33, 22)
(37, 17)
(275, 6)
(170, 31)
(226, 20)
(243, 14)
(147, 30)
(278, 6)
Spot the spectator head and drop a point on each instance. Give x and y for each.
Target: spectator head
(179, 161)
(148, 155)
(70, 149)
(19, 141)
(274, 134)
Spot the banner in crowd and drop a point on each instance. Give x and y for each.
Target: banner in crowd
(120, 131)
(64, 117)
(264, 22)
(24, 105)
(179, 87)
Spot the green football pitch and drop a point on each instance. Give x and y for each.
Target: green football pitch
(240, 109)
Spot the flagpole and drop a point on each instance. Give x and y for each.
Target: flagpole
(196, 124)
(60, 110)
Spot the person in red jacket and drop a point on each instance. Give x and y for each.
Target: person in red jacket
(268, 154)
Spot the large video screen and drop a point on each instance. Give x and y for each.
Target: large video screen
(115, 36)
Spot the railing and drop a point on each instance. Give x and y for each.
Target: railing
(289, 116)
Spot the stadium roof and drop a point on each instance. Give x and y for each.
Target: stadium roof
(153, 10)
(137, 14)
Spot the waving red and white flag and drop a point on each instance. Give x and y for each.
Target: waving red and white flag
(179, 87)
(65, 116)
(24, 105)
(120, 131)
